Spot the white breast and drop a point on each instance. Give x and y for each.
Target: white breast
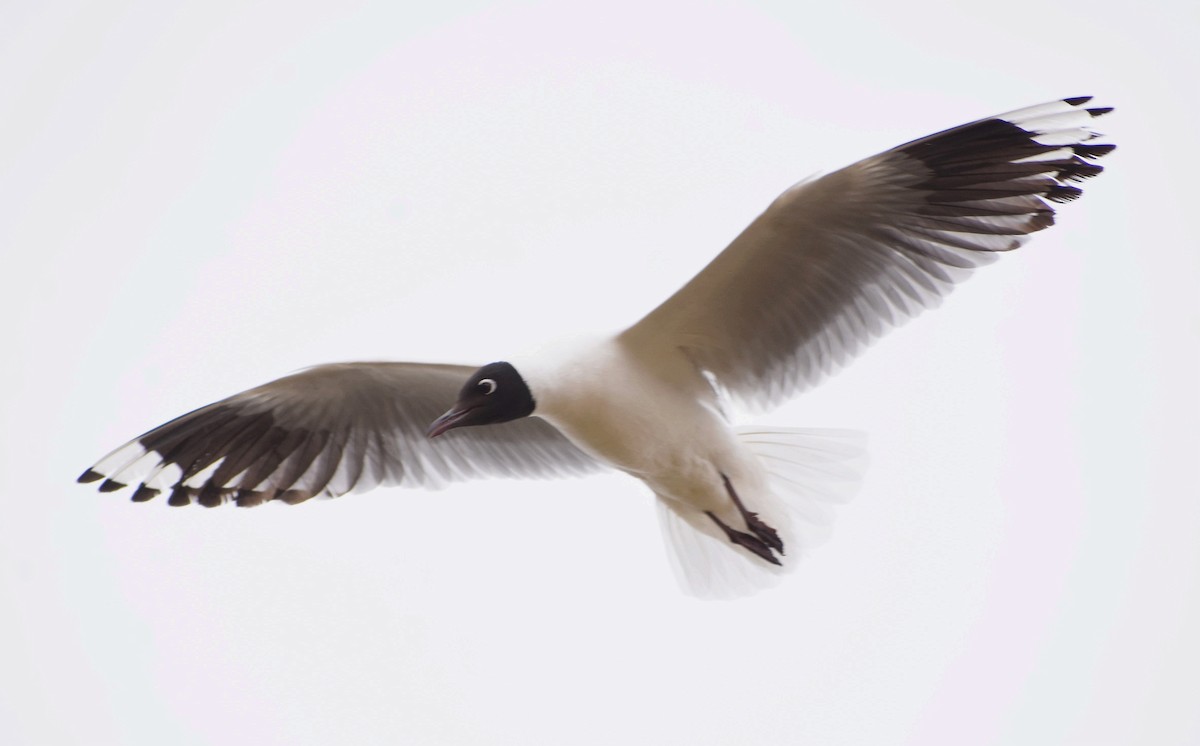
(655, 419)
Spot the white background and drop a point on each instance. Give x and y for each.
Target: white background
(198, 197)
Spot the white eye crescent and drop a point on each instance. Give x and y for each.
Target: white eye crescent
(486, 385)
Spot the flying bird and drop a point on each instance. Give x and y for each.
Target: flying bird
(832, 264)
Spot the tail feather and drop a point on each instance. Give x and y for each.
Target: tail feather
(808, 470)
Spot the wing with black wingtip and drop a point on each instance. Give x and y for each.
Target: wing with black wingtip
(836, 261)
(327, 431)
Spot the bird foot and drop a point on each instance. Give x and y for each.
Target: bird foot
(743, 539)
(757, 526)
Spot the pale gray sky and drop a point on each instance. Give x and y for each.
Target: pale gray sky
(202, 196)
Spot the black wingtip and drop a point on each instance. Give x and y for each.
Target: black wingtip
(1077, 100)
(89, 476)
(294, 497)
(1063, 193)
(209, 495)
(250, 498)
(112, 486)
(1100, 111)
(1078, 170)
(144, 493)
(1092, 152)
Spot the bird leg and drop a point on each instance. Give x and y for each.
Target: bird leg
(743, 539)
(768, 535)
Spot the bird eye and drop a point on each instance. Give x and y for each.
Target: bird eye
(486, 385)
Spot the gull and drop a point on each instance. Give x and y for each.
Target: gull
(829, 266)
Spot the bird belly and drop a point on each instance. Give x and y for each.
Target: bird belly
(657, 420)
(681, 450)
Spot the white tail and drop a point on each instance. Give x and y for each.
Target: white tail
(808, 470)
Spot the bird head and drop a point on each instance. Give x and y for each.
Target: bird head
(494, 393)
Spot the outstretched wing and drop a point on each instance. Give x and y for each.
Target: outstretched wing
(835, 262)
(330, 430)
